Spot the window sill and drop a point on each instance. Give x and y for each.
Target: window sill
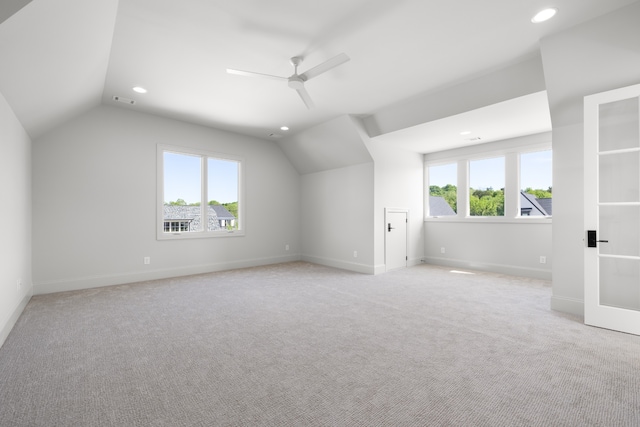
(199, 235)
(491, 220)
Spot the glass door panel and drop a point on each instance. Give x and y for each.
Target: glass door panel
(619, 283)
(619, 177)
(620, 225)
(619, 125)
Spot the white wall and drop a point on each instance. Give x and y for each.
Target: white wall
(596, 56)
(398, 181)
(94, 201)
(502, 248)
(15, 217)
(337, 217)
(343, 207)
(509, 247)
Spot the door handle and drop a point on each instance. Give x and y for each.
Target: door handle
(592, 239)
(389, 228)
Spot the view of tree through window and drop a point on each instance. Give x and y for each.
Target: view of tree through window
(443, 192)
(486, 182)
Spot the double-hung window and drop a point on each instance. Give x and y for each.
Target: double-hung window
(199, 193)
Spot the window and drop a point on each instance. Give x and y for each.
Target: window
(176, 226)
(443, 191)
(536, 184)
(486, 182)
(199, 193)
(502, 181)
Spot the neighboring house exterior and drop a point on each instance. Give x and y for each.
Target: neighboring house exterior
(187, 218)
(179, 218)
(532, 206)
(225, 218)
(547, 205)
(438, 206)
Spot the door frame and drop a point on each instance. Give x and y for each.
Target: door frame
(387, 211)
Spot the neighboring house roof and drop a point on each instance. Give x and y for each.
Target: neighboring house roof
(222, 212)
(547, 205)
(177, 212)
(529, 201)
(438, 206)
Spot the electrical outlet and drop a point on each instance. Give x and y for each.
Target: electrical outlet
(442, 250)
(19, 285)
(543, 260)
(355, 254)
(147, 260)
(286, 247)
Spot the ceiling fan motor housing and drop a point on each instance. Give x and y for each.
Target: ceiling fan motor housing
(295, 82)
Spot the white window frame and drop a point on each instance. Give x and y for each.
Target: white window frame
(511, 153)
(468, 161)
(427, 205)
(204, 155)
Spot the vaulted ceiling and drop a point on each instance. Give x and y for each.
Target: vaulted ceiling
(62, 57)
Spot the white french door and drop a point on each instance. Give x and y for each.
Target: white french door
(612, 209)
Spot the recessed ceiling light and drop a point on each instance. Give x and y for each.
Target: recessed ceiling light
(466, 132)
(139, 89)
(284, 128)
(544, 15)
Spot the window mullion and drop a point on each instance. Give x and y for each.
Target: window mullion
(204, 206)
(463, 188)
(512, 185)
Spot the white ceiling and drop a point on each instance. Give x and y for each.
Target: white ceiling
(61, 57)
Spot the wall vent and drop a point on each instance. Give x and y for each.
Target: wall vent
(124, 100)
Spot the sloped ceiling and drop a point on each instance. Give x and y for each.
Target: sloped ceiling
(330, 145)
(9, 7)
(62, 57)
(54, 60)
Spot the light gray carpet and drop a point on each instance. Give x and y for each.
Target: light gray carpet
(304, 345)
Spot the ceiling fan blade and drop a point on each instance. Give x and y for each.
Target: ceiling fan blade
(252, 74)
(305, 97)
(325, 66)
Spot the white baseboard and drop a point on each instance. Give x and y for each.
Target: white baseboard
(11, 320)
(73, 284)
(568, 305)
(536, 273)
(379, 268)
(415, 261)
(344, 265)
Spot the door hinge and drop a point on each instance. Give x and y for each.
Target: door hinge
(406, 258)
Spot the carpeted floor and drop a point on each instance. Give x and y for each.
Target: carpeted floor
(299, 344)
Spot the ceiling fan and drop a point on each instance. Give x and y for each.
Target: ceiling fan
(296, 81)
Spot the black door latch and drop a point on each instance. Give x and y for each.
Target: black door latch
(592, 239)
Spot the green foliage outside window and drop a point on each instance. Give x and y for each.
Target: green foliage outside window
(487, 202)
